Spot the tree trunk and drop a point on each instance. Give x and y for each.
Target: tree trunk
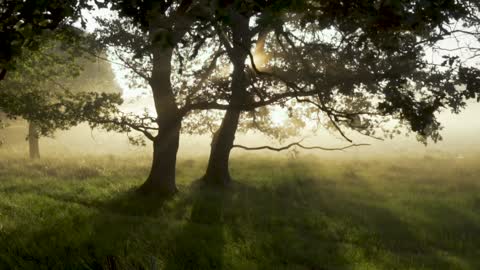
(3, 72)
(165, 145)
(217, 169)
(161, 179)
(33, 137)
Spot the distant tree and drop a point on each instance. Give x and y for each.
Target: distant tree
(48, 81)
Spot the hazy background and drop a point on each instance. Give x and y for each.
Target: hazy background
(460, 133)
(460, 139)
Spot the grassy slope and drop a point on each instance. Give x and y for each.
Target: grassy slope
(307, 214)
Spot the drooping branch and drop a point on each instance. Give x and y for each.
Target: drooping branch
(337, 127)
(298, 144)
(125, 122)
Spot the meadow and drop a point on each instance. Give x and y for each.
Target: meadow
(308, 213)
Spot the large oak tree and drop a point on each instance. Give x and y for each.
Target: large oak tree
(359, 63)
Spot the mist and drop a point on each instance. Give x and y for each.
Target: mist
(460, 139)
(240, 135)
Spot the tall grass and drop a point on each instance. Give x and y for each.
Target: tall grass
(397, 213)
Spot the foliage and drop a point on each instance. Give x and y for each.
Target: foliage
(52, 111)
(23, 22)
(55, 85)
(360, 64)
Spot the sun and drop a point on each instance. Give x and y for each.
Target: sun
(260, 59)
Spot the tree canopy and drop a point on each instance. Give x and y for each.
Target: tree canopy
(23, 22)
(57, 86)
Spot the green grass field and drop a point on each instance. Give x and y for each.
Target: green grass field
(310, 213)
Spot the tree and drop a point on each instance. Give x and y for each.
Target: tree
(162, 44)
(23, 22)
(360, 63)
(238, 49)
(41, 85)
(146, 36)
(375, 55)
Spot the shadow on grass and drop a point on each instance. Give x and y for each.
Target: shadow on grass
(200, 242)
(295, 224)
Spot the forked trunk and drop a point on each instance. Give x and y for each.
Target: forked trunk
(33, 145)
(217, 169)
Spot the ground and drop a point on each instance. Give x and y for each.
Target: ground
(310, 213)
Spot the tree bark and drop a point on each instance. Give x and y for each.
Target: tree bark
(165, 145)
(161, 179)
(33, 138)
(3, 72)
(217, 172)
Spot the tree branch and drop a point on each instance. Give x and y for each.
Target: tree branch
(297, 144)
(133, 68)
(123, 121)
(223, 39)
(207, 71)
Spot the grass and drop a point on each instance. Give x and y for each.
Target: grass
(312, 214)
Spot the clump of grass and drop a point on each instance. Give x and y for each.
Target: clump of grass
(83, 213)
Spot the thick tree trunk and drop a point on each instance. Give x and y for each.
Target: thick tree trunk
(217, 169)
(165, 145)
(33, 137)
(3, 72)
(162, 173)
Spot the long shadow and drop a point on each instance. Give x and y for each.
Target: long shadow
(295, 224)
(188, 229)
(300, 224)
(95, 237)
(199, 243)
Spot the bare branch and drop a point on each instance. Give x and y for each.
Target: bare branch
(297, 144)
(331, 116)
